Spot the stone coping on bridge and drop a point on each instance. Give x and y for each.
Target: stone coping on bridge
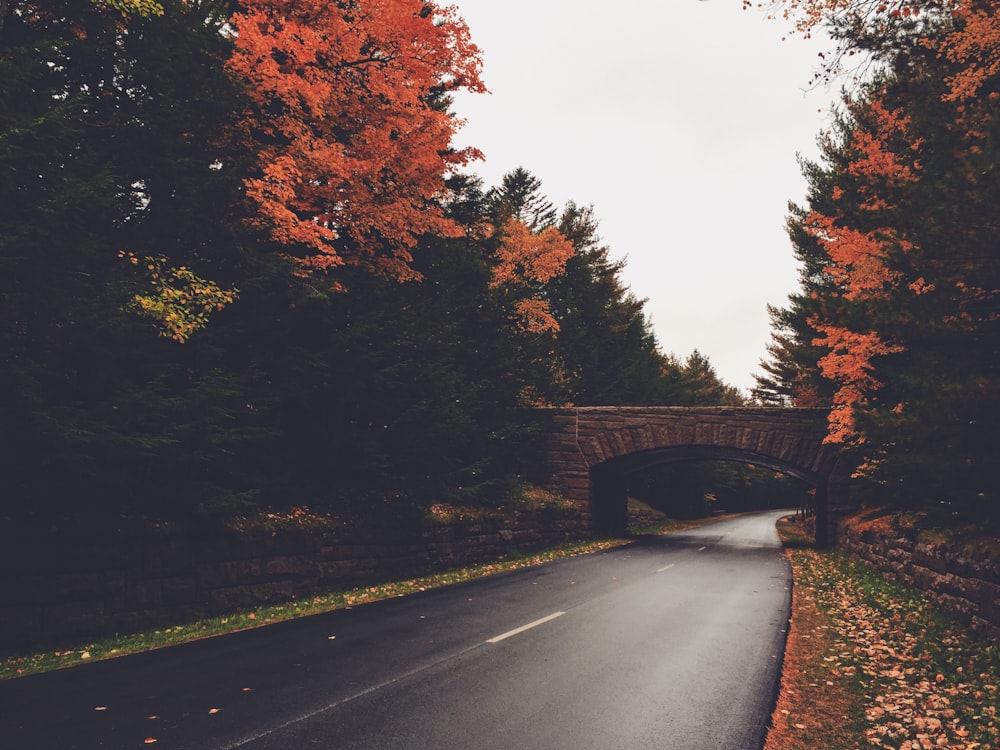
(591, 450)
(584, 437)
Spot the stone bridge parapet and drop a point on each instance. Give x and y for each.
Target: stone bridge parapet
(591, 450)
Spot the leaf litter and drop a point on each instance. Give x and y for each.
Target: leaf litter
(923, 681)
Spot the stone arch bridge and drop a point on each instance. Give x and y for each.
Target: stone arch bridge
(593, 450)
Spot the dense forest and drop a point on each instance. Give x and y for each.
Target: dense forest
(243, 267)
(896, 325)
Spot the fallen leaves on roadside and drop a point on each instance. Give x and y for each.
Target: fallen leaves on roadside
(925, 685)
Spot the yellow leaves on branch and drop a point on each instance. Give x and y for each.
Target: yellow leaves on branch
(128, 7)
(179, 301)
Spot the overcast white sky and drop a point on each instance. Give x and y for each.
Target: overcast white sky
(679, 121)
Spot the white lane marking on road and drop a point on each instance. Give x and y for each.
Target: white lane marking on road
(665, 567)
(529, 626)
(702, 548)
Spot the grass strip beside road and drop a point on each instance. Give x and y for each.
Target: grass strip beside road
(25, 663)
(868, 664)
(871, 664)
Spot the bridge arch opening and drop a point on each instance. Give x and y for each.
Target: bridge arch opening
(613, 481)
(592, 451)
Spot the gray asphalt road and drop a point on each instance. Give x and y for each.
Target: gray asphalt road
(673, 642)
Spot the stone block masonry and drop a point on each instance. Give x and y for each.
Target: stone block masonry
(592, 451)
(965, 585)
(57, 589)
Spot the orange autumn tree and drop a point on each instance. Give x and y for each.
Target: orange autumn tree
(348, 116)
(849, 363)
(866, 254)
(901, 310)
(527, 249)
(526, 253)
(965, 32)
(863, 264)
(524, 262)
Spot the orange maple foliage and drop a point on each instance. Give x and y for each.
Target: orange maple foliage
(885, 155)
(524, 256)
(525, 260)
(858, 258)
(973, 44)
(884, 161)
(971, 41)
(534, 315)
(808, 14)
(348, 115)
(849, 363)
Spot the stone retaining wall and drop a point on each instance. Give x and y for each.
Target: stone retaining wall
(55, 589)
(967, 586)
